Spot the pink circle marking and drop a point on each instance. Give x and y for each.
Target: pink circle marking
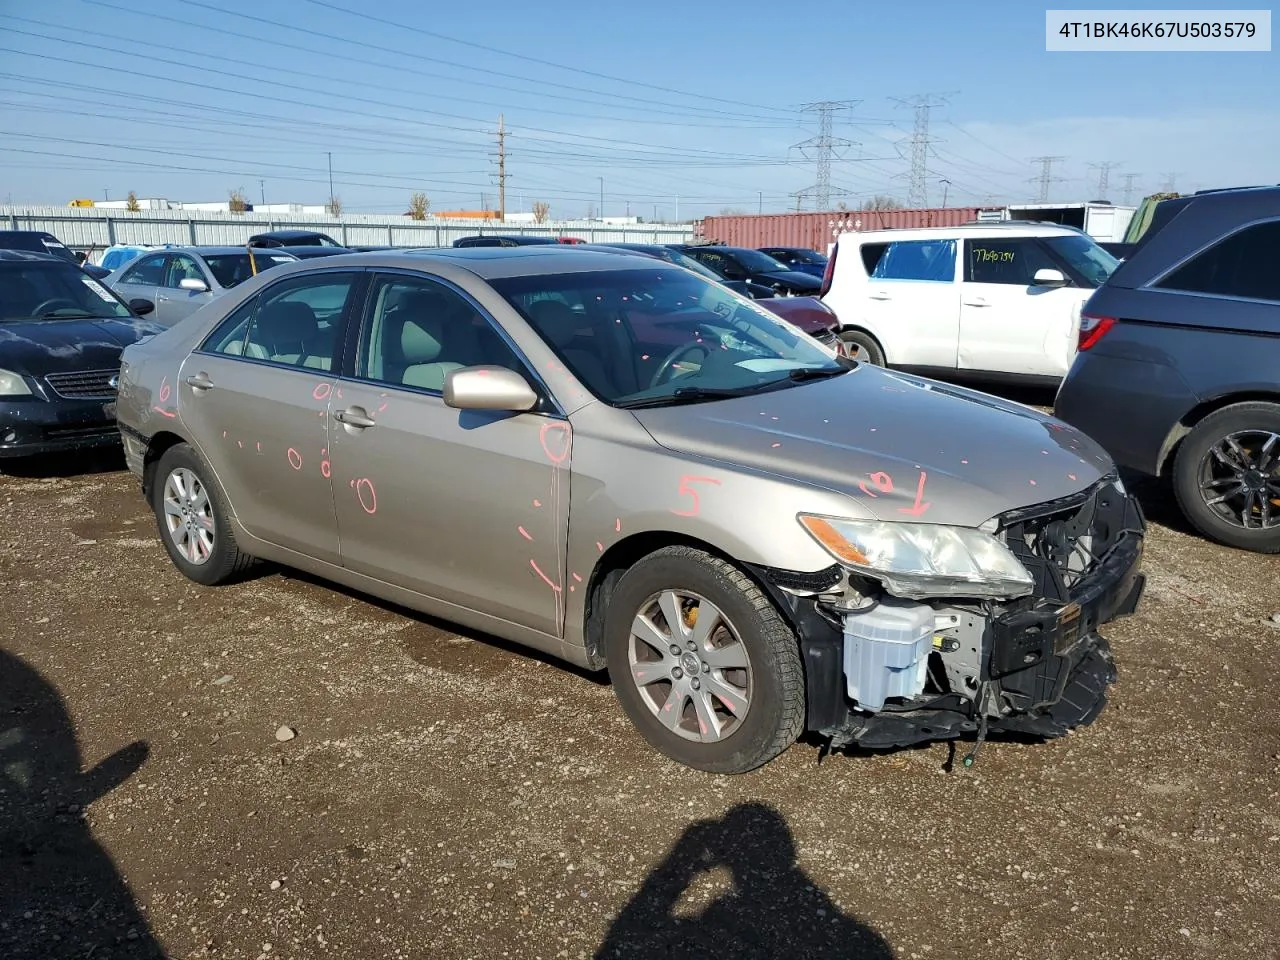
(322, 391)
(559, 428)
(324, 469)
(295, 459)
(363, 484)
(164, 392)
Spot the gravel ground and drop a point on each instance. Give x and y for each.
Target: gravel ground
(437, 795)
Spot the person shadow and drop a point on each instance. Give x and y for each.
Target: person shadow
(60, 893)
(772, 911)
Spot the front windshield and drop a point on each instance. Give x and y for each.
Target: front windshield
(54, 290)
(753, 261)
(686, 261)
(1087, 258)
(230, 269)
(640, 337)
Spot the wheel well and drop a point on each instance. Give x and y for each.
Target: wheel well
(616, 561)
(156, 448)
(854, 328)
(1193, 416)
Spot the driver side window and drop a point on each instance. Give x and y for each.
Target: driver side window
(146, 272)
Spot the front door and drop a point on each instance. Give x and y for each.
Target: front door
(1007, 323)
(142, 280)
(469, 507)
(173, 303)
(257, 397)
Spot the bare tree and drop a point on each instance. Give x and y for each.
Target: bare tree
(540, 211)
(731, 212)
(418, 206)
(131, 202)
(334, 206)
(236, 201)
(882, 201)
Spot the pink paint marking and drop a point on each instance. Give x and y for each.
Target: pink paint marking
(339, 393)
(773, 418)
(224, 434)
(240, 444)
(1071, 476)
(537, 503)
(600, 546)
(165, 390)
(644, 356)
(524, 533)
(964, 461)
(880, 480)
(617, 525)
(728, 703)
(370, 503)
(545, 578)
(919, 507)
(165, 413)
(873, 429)
(1045, 452)
(381, 408)
(295, 458)
(482, 373)
(777, 445)
(1032, 482)
(322, 391)
(576, 577)
(687, 491)
(325, 470)
(259, 446)
(555, 455)
(572, 588)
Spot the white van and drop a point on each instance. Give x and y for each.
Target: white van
(996, 300)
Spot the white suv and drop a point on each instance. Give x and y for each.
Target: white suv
(996, 300)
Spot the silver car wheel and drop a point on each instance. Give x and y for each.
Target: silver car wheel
(188, 516)
(690, 665)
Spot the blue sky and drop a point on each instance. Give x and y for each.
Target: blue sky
(190, 99)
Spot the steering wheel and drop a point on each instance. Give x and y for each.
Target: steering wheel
(664, 371)
(53, 304)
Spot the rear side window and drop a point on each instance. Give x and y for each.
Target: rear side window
(871, 254)
(1241, 265)
(931, 260)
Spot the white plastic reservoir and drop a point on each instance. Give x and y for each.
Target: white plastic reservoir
(886, 651)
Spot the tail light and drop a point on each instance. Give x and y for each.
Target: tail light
(1093, 329)
(826, 274)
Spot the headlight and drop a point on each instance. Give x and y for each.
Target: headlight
(13, 385)
(920, 560)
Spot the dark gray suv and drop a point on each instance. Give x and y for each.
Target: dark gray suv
(1178, 370)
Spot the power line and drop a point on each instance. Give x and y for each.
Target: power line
(821, 149)
(1104, 169)
(918, 183)
(1046, 176)
(1128, 187)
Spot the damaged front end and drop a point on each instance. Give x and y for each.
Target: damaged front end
(884, 669)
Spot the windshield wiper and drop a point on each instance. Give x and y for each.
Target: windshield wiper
(55, 315)
(815, 373)
(685, 395)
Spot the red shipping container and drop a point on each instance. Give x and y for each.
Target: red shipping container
(817, 231)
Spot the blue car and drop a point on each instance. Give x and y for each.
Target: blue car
(798, 259)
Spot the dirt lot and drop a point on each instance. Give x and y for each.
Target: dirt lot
(448, 796)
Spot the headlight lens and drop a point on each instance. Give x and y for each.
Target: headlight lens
(13, 385)
(919, 560)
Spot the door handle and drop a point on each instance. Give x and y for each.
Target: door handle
(354, 417)
(880, 296)
(976, 302)
(200, 381)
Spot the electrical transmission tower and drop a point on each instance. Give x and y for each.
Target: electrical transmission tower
(1046, 175)
(822, 149)
(918, 183)
(1128, 187)
(1104, 170)
(502, 169)
(1170, 183)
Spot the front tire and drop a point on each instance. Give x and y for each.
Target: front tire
(194, 520)
(863, 347)
(702, 662)
(1226, 476)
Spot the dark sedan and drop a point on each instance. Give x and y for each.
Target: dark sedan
(741, 263)
(502, 240)
(61, 335)
(293, 238)
(800, 259)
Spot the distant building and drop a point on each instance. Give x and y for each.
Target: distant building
(467, 215)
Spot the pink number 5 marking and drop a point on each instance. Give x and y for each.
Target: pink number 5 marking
(688, 491)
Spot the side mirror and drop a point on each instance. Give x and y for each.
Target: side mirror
(1048, 277)
(141, 307)
(488, 388)
(194, 284)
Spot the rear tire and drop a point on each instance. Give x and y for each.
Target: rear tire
(193, 519)
(863, 346)
(1233, 454)
(726, 698)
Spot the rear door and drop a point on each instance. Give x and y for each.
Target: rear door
(1007, 323)
(173, 303)
(256, 396)
(912, 303)
(143, 279)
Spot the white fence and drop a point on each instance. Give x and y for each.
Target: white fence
(85, 228)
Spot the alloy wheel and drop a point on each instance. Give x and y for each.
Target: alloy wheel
(1238, 479)
(188, 516)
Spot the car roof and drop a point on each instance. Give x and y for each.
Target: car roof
(487, 263)
(214, 251)
(1004, 228)
(29, 255)
(283, 234)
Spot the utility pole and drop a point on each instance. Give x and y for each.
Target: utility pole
(106, 194)
(822, 149)
(1046, 175)
(601, 179)
(759, 201)
(262, 186)
(946, 184)
(918, 182)
(502, 169)
(655, 213)
(1128, 187)
(1104, 169)
(330, 156)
